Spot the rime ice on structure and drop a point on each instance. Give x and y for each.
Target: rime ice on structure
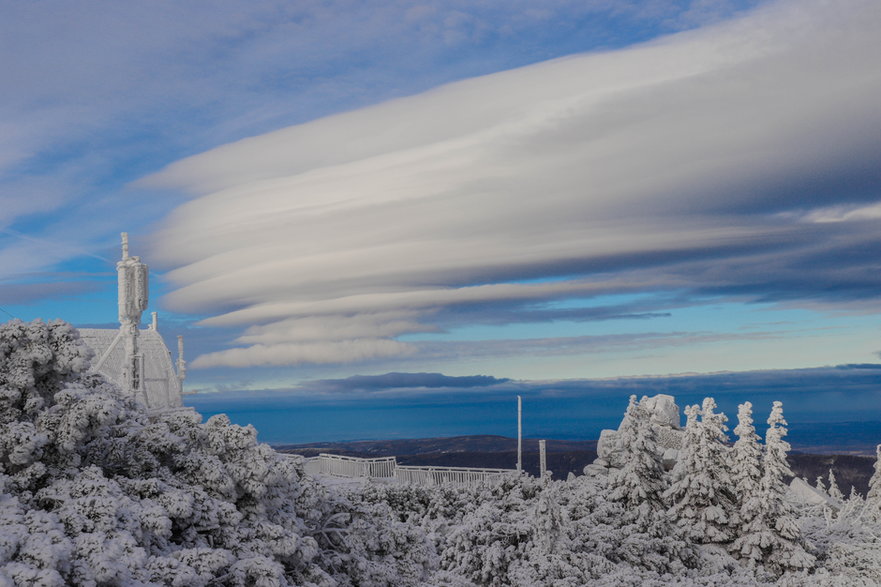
(665, 420)
(136, 359)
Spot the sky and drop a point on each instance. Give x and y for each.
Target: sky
(570, 190)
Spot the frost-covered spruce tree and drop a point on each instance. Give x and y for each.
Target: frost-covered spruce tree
(873, 496)
(746, 468)
(769, 535)
(95, 492)
(701, 499)
(639, 484)
(686, 464)
(849, 543)
(637, 488)
(834, 490)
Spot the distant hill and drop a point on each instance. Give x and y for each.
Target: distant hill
(850, 470)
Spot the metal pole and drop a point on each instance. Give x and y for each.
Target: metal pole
(519, 433)
(542, 458)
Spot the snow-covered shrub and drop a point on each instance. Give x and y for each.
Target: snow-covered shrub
(93, 491)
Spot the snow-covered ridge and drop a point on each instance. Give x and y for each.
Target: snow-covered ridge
(95, 489)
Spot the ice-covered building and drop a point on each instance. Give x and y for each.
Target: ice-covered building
(137, 359)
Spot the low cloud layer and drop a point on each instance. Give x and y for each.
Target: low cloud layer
(739, 161)
(406, 381)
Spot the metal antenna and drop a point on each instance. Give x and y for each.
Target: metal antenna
(519, 433)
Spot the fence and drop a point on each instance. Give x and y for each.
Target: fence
(388, 468)
(340, 466)
(457, 475)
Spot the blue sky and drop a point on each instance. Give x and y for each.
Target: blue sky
(563, 190)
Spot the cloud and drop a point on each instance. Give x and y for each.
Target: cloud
(393, 381)
(97, 96)
(696, 165)
(19, 293)
(343, 351)
(597, 346)
(576, 408)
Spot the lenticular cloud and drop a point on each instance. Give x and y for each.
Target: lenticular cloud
(691, 163)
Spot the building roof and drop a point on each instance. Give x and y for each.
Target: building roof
(161, 383)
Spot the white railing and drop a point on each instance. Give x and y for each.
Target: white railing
(388, 468)
(457, 475)
(340, 466)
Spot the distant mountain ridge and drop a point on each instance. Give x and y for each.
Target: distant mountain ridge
(488, 443)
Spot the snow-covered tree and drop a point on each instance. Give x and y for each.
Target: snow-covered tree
(94, 491)
(746, 467)
(746, 454)
(834, 490)
(701, 499)
(873, 496)
(769, 535)
(639, 484)
(637, 488)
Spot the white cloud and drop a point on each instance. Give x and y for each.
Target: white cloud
(680, 154)
(343, 351)
(97, 94)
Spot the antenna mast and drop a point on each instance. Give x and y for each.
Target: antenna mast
(519, 433)
(132, 276)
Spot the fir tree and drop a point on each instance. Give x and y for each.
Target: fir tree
(679, 495)
(873, 497)
(635, 493)
(746, 455)
(702, 502)
(639, 484)
(770, 536)
(834, 490)
(746, 472)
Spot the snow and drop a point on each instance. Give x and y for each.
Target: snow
(96, 490)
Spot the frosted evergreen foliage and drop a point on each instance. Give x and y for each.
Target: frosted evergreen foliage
(701, 498)
(95, 492)
(639, 484)
(769, 535)
(873, 497)
(746, 468)
(635, 494)
(834, 490)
